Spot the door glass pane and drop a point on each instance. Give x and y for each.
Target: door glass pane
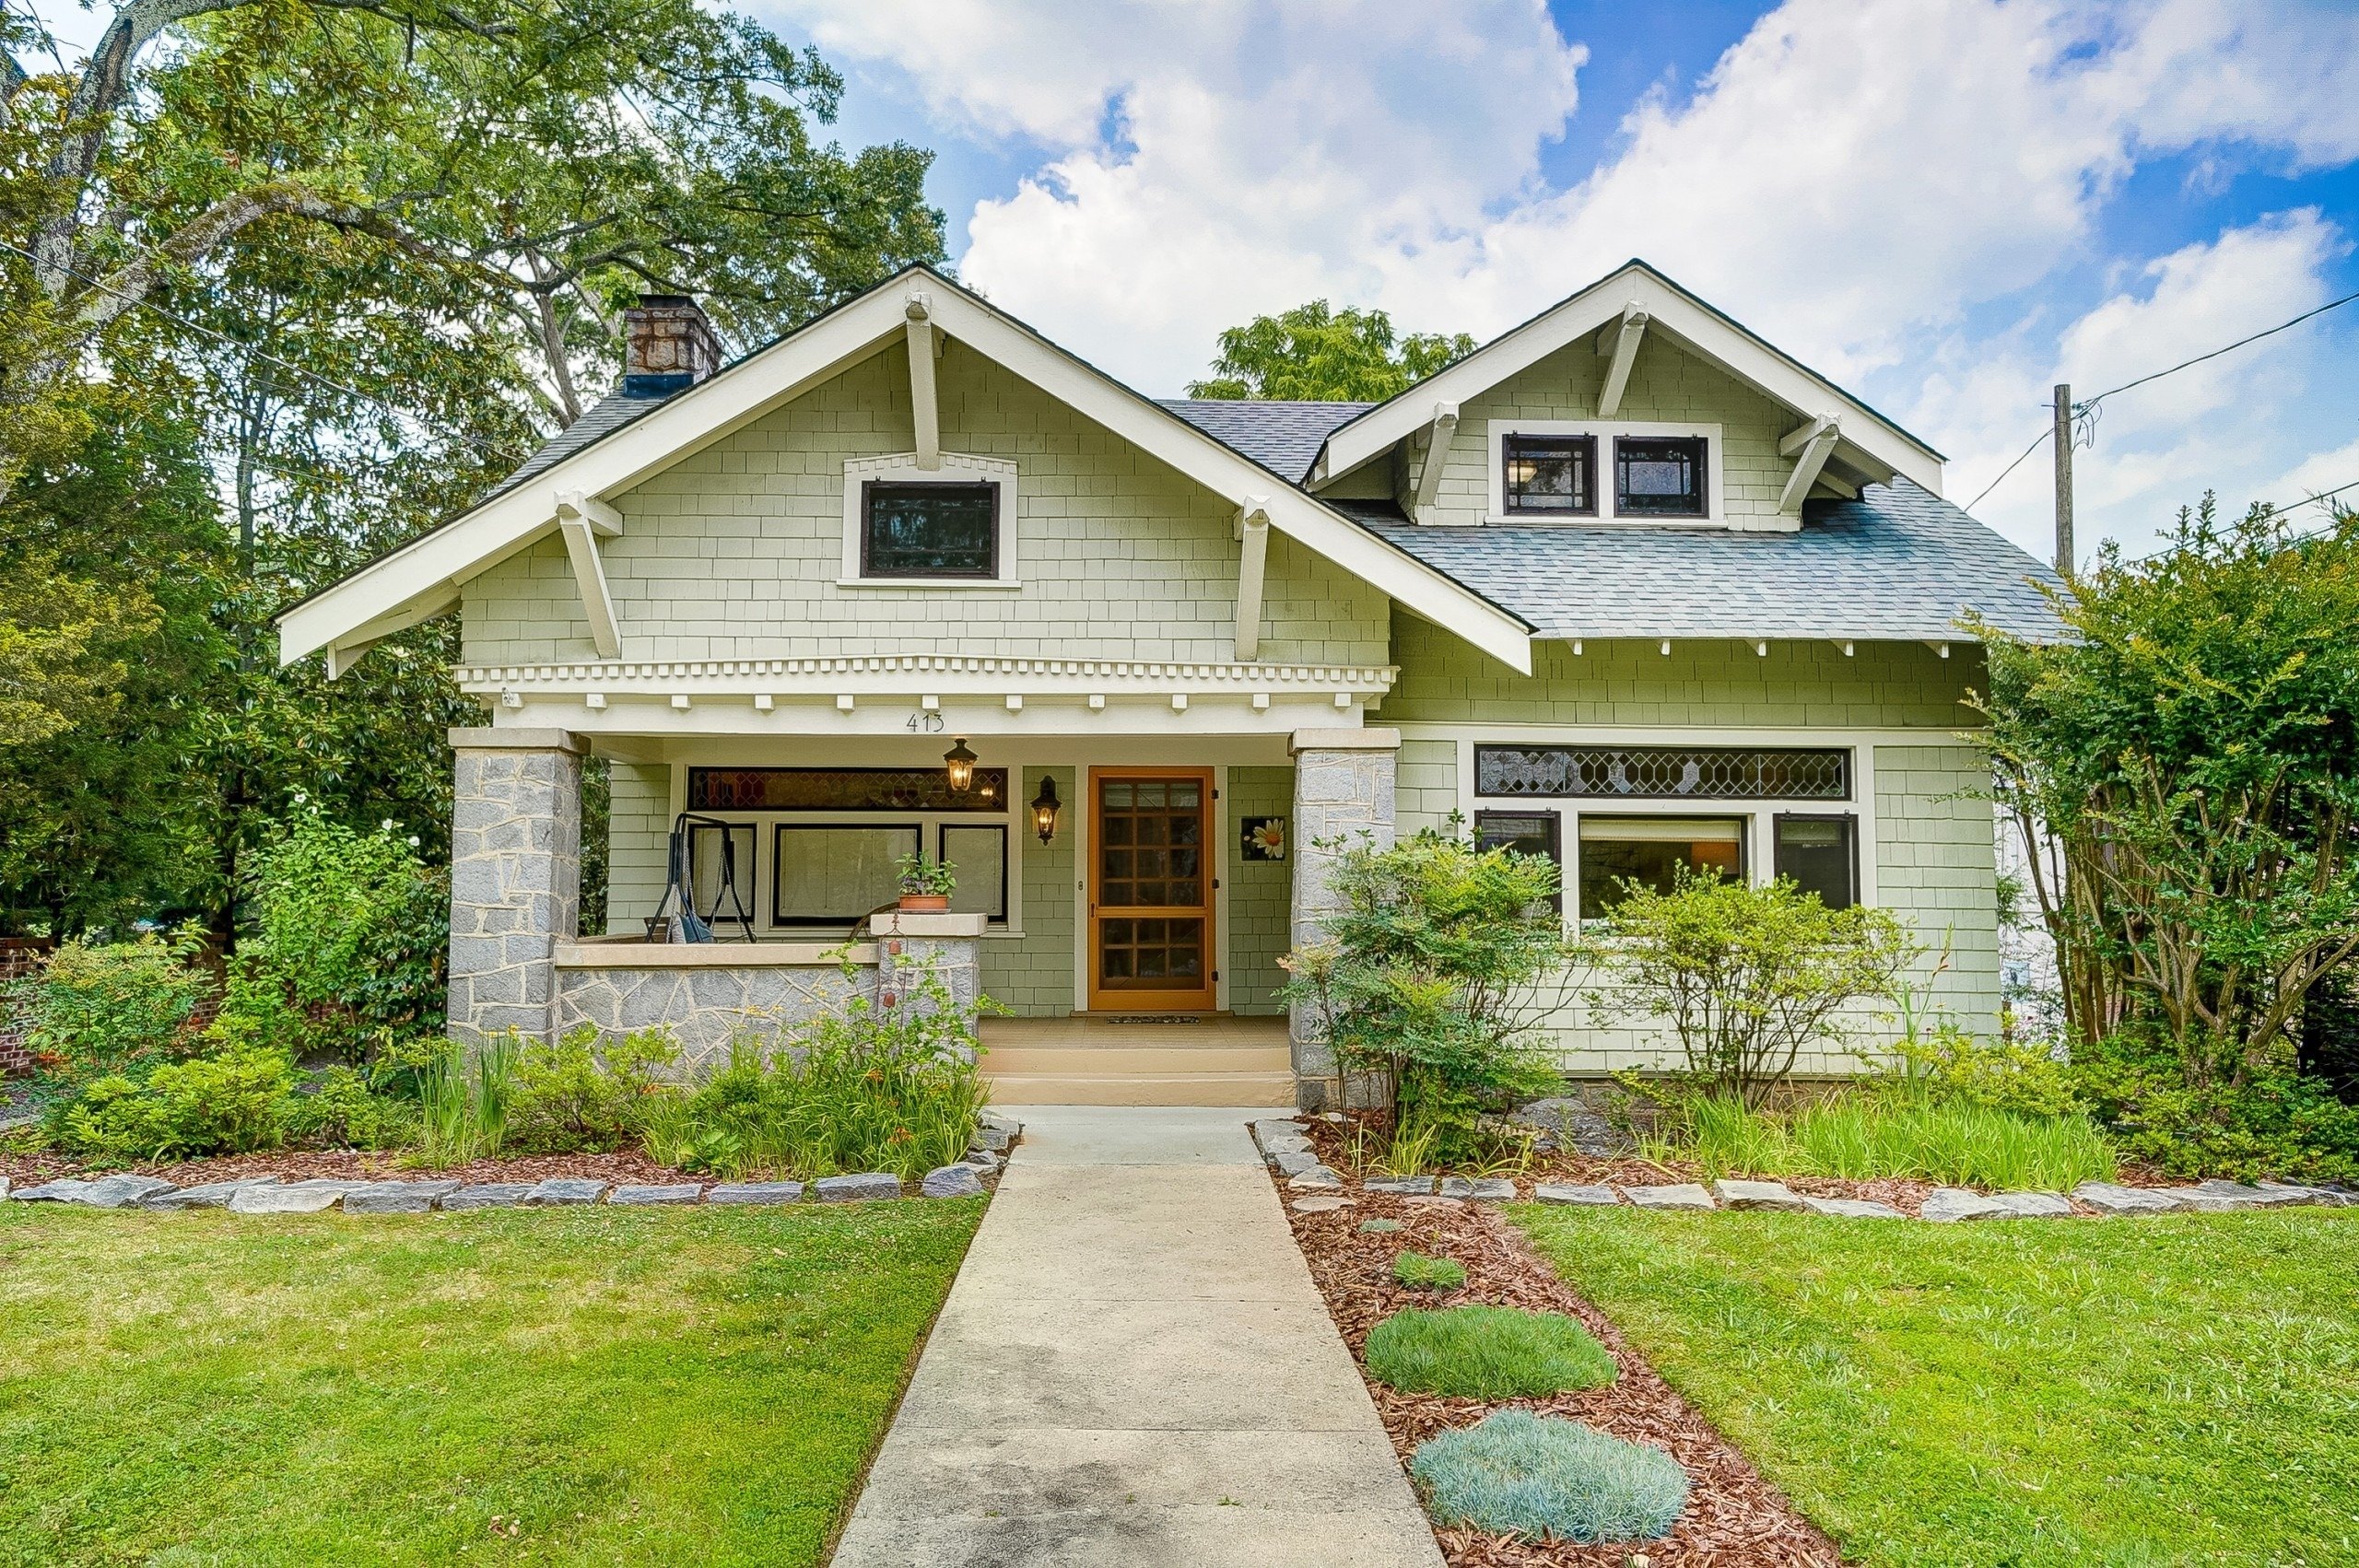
(834, 875)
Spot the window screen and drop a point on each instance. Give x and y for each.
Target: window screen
(977, 855)
(929, 530)
(1649, 850)
(1550, 474)
(1527, 833)
(1659, 475)
(828, 875)
(1822, 855)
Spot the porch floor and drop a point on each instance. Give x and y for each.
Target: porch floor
(1102, 1059)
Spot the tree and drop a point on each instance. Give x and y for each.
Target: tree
(538, 158)
(1317, 354)
(2184, 767)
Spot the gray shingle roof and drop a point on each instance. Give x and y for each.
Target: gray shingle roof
(1284, 437)
(1899, 563)
(601, 419)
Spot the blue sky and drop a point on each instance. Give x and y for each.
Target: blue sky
(1946, 205)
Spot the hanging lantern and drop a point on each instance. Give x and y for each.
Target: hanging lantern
(1044, 809)
(961, 768)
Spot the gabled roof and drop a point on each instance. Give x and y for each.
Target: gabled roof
(1898, 563)
(421, 579)
(1872, 445)
(1282, 436)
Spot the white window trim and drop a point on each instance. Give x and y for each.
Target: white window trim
(1759, 815)
(957, 468)
(1604, 431)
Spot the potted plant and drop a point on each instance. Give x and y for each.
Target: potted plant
(925, 885)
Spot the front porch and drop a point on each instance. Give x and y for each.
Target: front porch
(1125, 899)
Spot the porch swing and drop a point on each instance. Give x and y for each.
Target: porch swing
(682, 916)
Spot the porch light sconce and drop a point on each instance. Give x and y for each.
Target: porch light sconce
(960, 764)
(1044, 809)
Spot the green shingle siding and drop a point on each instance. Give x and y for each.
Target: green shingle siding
(734, 552)
(638, 832)
(1032, 975)
(1261, 893)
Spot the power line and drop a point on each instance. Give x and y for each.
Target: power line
(394, 409)
(2089, 406)
(2228, 348)
(2009, 469)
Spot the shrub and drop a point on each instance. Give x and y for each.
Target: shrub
(102, 1008)
(1430, 984)
(340, 1111)
(570, 1098)
(227, 1104)
(1539, 1477)
(1952, 1065)
(1420, 1272)
(871, 1088)
(1871, 1133)
(1485, 1352)
(2278, 1122)
(1747, 977)
(351, 927)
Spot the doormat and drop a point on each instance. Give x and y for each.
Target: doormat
(1155, 1018)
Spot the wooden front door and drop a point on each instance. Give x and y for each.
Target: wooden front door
(1151, 890)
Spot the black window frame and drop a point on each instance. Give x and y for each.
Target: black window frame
(1554, 831)
(779, 918)
(1849, 821)
(1585, 447)
(1701, 463)
(870, 489)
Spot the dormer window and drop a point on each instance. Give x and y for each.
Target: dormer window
(1551, 475)
(1599, 471)
(929, 530)
(1659, 477)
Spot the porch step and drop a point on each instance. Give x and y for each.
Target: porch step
(1163, 1059)
(1140, 1089)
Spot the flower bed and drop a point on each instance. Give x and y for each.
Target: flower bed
(1734, 1518)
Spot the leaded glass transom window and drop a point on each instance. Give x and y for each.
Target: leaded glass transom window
(1550, 476)
(1659, 477)
(1664, 773)
(929, 530)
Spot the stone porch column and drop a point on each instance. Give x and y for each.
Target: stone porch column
(515, 875)
(909, 945)
(1343, 789)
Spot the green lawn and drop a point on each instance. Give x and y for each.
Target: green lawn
(2149, 1391)
(548, 1386)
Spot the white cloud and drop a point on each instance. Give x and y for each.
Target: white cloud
(1867, 183)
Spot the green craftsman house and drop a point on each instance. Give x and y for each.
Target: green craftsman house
(1627, 586)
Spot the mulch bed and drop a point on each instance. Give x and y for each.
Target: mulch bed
(1733, 1519)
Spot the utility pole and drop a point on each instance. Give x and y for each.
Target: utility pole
(2064, 477)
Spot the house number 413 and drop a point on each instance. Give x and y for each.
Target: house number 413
(924, 723)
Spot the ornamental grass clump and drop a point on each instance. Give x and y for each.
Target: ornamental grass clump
(1485, 1352)
(1538, 1477)
(1420, 1272)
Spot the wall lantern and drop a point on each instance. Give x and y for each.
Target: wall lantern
(1044, 809)
(961, 766)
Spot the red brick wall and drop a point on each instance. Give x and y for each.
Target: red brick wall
(17, 959)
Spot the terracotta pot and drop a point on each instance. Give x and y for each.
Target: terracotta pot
(925, 903)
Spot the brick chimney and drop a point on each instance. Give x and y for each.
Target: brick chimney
(670, 345)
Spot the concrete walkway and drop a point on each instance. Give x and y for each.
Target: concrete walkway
(1134, 1369)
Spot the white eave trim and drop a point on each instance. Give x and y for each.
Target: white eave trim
(693, 419)
(1878, 446)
